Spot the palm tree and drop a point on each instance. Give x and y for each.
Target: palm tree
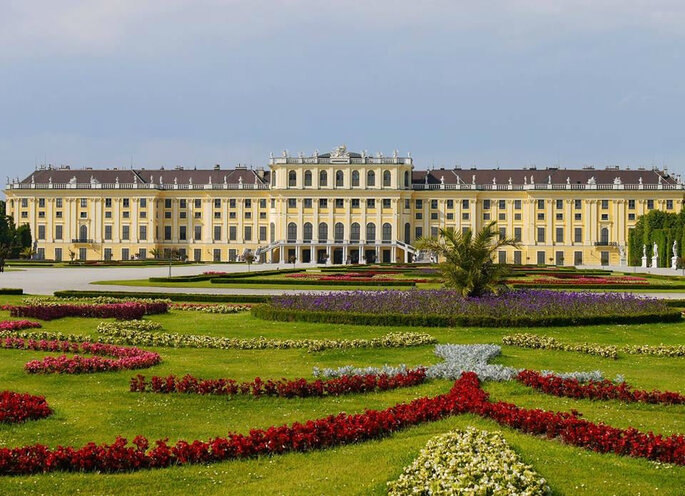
(468, 259)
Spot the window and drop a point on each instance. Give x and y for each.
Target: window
(502, 216)
(248, 233)
(41, 232)
(577, 204)
(323, 178)
(502, 204)
(419, 204)
(465, 216)
(182, 204)
(502, 233)
(605, 216)
(339, 179)
(517, 234)
(541, 235)
(669, 204)
(198, 203)
(142, 233)
(605, 204)
(631, 204)
(559, 258)
(355, 202)
(631, 216)
(231, 215)
(232, 233)
(58, 254)
(125, 254)
(24, 202)
(370, 203)
(450, 204)
(83, 254)
(58, 203)
(307, 232)
(198, 233)
(419, 215)
(126, 215)
(292, 202)
(434, 204)
(386, 203)
(83, 233)
(58, 214)
(216, 254)
(486, 216)
(541, 258)
(434, 232)
(108, 254)
(371, 232)
(58, 231)
(143, 215)
(182, 233)
(355, 178)
(217, 214)
(167, 202)
(262, 233)
(502, 257)
(231, 203)
(323, 203)
(142, 254)
(292, 179)
(387, 233)
(217, 203)
(578, 235)
(434, 216)
(41, 202)
(198, 215)
(273, 178)
(406, 179)
(419, 232)
(339, 232)
(248, 203)
(292, 232)
(355, 232)
(262, 203)
(41, 215)
(371, 178)
(517, 257)
(217, 233)
(560, 235)
(323, 232)
(232, 254)
(126, 203)
(486, 204)
(560, 204)
(142, 202)
(339, 203)
(167, 233)
(465, 204)
(577, 258)
(517, 204)
(541, 204)
(84, 203)
(307, 203)
(560, 216)
(541, 216)
(407, 204)
(125, 233)
(386, 179)
(307, 178)
(578, 217)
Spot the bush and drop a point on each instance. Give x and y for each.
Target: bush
(316, 282)
(121, 311)
(169, 296)
(211, 276)
(11, 291)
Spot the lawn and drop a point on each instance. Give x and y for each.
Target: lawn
(97, 407)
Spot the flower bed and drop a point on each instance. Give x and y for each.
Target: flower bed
(449, 308)
(125, 295)
(109, 328)
(134, 337)
(199, 307)
(580, 281)
(283, 388)
(468, 462)
(464, 397)
(20, 407)
(121, 311)
(16, 325)
(124, 357)
(596, 390)
(549, 343)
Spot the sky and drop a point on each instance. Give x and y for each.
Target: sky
(196, 83)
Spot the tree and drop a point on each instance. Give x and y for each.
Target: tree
(4, 254)
(249, 258)
(27, 253)
(72, 255)
(155, 253)
(292, 260)
(468, 259)
(13, 239)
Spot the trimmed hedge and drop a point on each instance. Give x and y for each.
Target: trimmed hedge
(11, 291)
(570, 285)
(267, 312)
(315, 282)
(169, 296)
(679, 303)
(237, 275)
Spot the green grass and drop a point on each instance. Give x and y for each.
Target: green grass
(97, 407)
(244, 285)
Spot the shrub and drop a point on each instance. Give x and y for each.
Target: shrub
(122, 311)
(169, 296)
(11, 291)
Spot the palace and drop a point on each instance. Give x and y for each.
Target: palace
(336, 207)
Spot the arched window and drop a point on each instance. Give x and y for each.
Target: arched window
(371, 178)
(339, 179)
(406, 179)
(292, 179)
(604, 236)
(292, 232)
(355, 178)
(339, 232)
(370, 232)
(323, 233)
(386, 178)
(355, 232)
(307, 232)
(323, 178)
(273, 178)
(387, 233)
(407, 233)
(307, 178)
(273, 232)
(83, 233)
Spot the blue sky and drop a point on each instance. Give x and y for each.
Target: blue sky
(194, 83)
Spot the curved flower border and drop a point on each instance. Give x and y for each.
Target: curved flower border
(20, 407)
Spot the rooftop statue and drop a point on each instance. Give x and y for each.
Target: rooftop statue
(340, 152)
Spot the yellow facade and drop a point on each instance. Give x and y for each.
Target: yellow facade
(334, 208)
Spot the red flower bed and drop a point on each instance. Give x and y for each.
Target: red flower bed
(121, 311)
(465, 396)
(596, 390)
(366, 276)
(284, 388)
(579, 281)
(17, 325)
(20, 407)
(124, 357)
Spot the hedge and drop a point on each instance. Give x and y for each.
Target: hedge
(571, 285)
(169, 296)
(237, 275)
(316, 282)
(11, 291)
(267, 312)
